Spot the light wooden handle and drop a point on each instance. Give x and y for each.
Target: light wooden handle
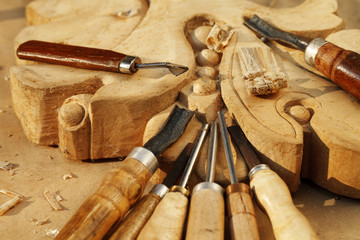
(68, 55)
(133, 222)
(274, 196)
(206, 216)
(241, 213)
(168, 219)
(341, 66)
(120, 189)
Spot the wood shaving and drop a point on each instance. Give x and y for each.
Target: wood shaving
(36, 222)
(68, 176)
(15, 199)
(52, 201)
(5, 166)
(52, 232)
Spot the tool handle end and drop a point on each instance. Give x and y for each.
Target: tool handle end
(274, 196)
(120, 189)
(341, 66)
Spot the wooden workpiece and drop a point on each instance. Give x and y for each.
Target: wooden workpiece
(309, 128)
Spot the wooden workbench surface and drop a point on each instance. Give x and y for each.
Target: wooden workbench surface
(39, 168)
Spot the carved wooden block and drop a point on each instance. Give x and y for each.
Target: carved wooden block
(309, 127)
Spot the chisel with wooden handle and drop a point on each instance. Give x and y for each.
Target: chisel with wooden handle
(134, 221)
(123, 186)
(273, 195)
(206, 219)
(88, 58)
(167, 221)
(240, 208)
(339, 65)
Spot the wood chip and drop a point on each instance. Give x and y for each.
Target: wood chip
(5, 165)
(68, 176)
(36, 222)
(52, 201)
(15, 199)
(52, 232)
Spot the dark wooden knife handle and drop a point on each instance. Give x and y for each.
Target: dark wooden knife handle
(341, 66)
(68, 55)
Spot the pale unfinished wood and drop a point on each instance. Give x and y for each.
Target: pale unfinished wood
(74, 127)
(286, 219)
(167, 221)
(206, 216)
(126, 102)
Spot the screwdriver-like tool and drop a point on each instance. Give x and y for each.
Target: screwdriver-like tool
(122, 187)
(207, 207)
(240, 208)
(339, 65)
(273, 195)
(134, 221)
(88, 58)
(168, 219)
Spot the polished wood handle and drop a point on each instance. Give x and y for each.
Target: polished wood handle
(341, 66)
(132, 224)
(120, 189)
(241, 213)
(206, 216)
(168, 219)
(72, 56)
(274, 196)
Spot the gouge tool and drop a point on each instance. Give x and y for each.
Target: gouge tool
(88, 58)
(122, 187)
(134, 221)
(207, 207)
(339, 65)
(240, 208)
(168, 219)
(273, 195)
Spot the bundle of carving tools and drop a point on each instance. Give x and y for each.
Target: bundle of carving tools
(89, 58)
(339, 65)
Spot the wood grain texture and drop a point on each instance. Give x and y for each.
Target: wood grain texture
(168, 219)
(132, 224)
(341, 66)
(69, 55)
(274, 196)
(241, 213)
(206, 216)
(120, 189)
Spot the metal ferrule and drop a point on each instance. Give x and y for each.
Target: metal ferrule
(180, 189)
(127, 65)
(256, 169)
(146, 157)
(160, 190)
(208, 185)
(312, 49)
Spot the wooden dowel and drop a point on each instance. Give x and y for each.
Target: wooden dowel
(274, 196)
(167, 221)
(120, 189)
(206, 216)
(132, 224)
(241, 213)
(341, 66)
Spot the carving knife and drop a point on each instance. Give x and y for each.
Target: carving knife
(88, 58)
(273, 195)
(207, 207)
(134, 221)
(122, 187)
(168, 219)
(240, 208)
(339, 65)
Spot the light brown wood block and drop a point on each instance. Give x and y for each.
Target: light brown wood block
(121, 104)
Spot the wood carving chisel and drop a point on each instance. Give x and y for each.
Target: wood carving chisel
(339, 65)
(123, 186)
(273, 195)
(134, 221)
(167, 221)
(88, 58)
(240, 208)
(206, 219)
